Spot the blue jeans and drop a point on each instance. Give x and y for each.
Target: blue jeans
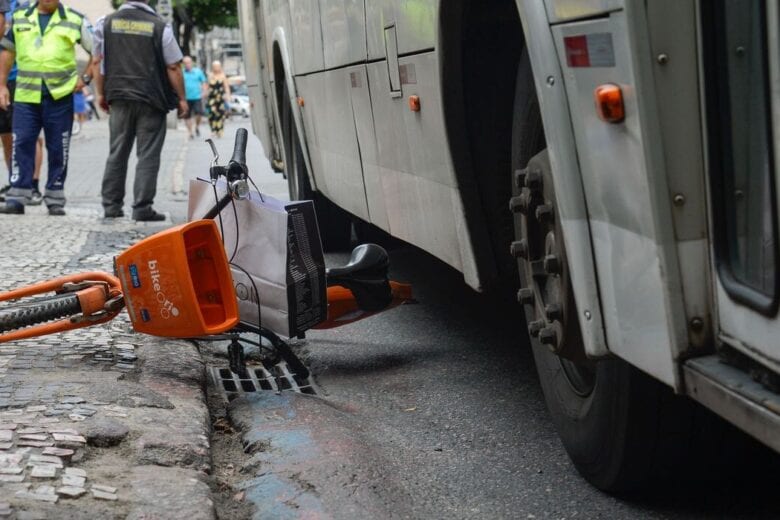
(55, 117)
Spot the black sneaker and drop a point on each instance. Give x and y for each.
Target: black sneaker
(36, 198)
(56, 211)
(3, 192)
(114, 213)
(12, 209)
(152, 216)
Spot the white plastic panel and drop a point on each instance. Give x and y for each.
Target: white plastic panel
(619, 188)
(343, 32)
(333, 144)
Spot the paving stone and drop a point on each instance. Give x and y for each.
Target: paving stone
(73, 400)
(76, 417)
(11, 470)
(37, 408)
(104, 432)
(89, 412)
(25, 431)
(34, 436)
(60, 429)
(5, 510)
(65, 438)
(46, 459)
(35, 444)
(6, 435)
(73, 480)
(6, 445)
(58, 452)
(8, 426)
(44, 471)
(71, 491)
(102, 495)
(103, 487)
(11, 478)
(76, 472)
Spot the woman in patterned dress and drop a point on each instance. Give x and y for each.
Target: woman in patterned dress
(219, 92)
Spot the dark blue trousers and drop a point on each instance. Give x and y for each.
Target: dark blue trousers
(55, 117)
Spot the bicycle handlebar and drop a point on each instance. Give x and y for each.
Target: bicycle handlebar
(239, 149)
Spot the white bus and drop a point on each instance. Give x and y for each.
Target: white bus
(612, 162)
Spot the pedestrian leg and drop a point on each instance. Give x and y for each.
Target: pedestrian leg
(27, 121)
(122, 130)
(57, 125)
(149, 143)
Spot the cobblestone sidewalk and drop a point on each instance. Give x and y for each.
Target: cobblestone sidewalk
(100, 422)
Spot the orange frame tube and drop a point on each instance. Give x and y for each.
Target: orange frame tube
(92, 299)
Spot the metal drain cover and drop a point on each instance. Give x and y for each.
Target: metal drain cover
(258, 379)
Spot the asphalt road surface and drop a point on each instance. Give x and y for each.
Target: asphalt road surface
(448, 417)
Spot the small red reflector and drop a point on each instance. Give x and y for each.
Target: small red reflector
(609, 103)
(414, 103)
(577, 51)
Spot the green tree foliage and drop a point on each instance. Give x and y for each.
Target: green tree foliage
(203, 15)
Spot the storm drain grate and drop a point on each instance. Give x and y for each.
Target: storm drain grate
(258, 379)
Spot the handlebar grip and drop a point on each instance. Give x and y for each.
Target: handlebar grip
(239, 149)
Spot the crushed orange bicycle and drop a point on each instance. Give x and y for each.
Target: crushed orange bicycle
(182, 275)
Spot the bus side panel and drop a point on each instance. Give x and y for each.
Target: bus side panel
(630, 243)
(332, 138)
(415, 23)
(250, 19)
(305, 36)
(417, 176)
(343, 32)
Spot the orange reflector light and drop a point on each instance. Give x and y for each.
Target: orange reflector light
(301, 102)
(414, 103)
(609, 103)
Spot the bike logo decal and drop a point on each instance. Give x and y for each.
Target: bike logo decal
(167, 309)
(145, 315)
(134, 278)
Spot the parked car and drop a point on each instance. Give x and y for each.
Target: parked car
(239, 105)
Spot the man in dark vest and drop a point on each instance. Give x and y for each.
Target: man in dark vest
(140, 80)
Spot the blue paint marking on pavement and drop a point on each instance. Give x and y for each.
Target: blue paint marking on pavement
(134, 278)
(275, 494)
(279, 498)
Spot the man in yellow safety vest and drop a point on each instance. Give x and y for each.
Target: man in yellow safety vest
(42, 40)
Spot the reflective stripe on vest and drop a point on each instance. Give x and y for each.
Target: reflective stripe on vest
(49, 58)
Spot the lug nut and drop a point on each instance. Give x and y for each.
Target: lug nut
(535, 326)
(552, 265)
(520, 177)
(519, 204)
(553, 312)
(544, 213)
(547, 336)
(533, 180)
(525, 296)
(519, 248)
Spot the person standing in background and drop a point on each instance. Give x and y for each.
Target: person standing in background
(194, 86)
(140, 80)
(6, 120)
(219, 93)
(42, 41)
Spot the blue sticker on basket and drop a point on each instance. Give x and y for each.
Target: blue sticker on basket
(145, 315)
(134, 278)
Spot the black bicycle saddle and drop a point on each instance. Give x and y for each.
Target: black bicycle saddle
(366, 275)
